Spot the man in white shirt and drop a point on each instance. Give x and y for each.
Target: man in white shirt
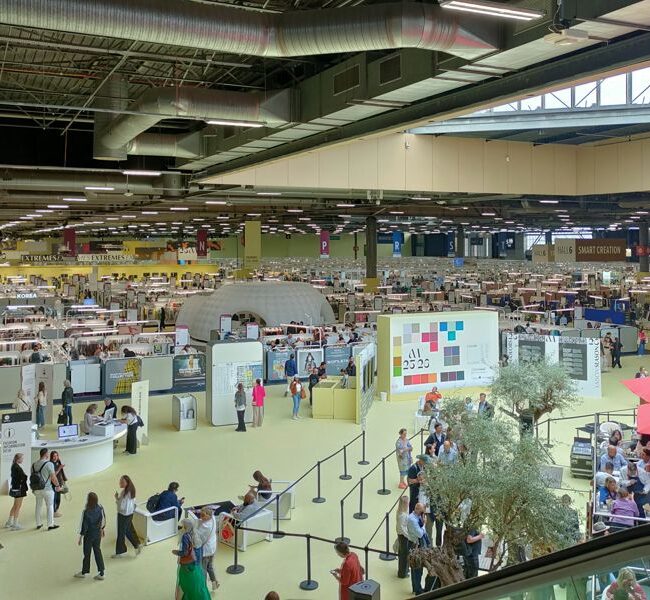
(45, 469)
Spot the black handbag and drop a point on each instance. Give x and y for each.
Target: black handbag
(62, 419)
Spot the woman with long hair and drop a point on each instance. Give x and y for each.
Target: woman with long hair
(125, 501)
(41, 402)
(130, 417)
(190, 583)
(402, 544)
(403, 452)
(93, 524)
(59, 473)
(17, 490)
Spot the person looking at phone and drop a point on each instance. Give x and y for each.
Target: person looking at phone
(350, 571)
(169, 499)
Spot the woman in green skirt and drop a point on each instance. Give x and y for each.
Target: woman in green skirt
(190, 583)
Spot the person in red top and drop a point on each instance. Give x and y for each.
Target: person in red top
(431, 399)
(259, 393)
(350, 571)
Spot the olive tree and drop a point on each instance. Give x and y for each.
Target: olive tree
(534, 389)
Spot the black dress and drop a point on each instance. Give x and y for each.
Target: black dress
(18, 482)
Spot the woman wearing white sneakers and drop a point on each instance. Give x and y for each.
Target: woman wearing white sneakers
(17, 490)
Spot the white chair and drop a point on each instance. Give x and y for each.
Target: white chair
(282, 506)
(262, 520)
(151, 531)
(280, 485)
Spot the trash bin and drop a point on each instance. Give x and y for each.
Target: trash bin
(383, 396)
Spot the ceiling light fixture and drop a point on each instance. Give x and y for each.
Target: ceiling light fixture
(99, 188)
(492, 9)
(235, 123)
(294, 210)
(141, 173)
(149, 212)
(269, 193)
(177, 208)
(549, 201)
(219, 202)
(58, 206)
(74, 199)
(396, 212)
(345, 205)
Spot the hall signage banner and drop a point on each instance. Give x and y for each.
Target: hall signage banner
(42, 258)
(140, 401)
(324, 244)
(105, 257)
(543, 253)
(579, 356)
(70, 241)
(397, 244)
(187, 254)
(202, 243)
(15, 437)
(565, 250)
(253, 244)
(601, 250)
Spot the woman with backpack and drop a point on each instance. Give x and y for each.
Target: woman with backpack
(133, 421)
(93, 523)
(125, 501)
(190, 584)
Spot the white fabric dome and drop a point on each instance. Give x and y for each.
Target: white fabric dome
(276, 302)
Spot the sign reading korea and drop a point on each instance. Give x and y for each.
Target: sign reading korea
(601, 250)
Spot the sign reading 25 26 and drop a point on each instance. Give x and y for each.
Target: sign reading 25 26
(414, 360)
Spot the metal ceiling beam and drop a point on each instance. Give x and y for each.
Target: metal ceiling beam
(591, 61)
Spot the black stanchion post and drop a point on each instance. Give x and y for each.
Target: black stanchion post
(365, 550)
(309, 584)
(360, 515)
(363, 460)
(383, 491)
(278, 534)
(318, 499)
(235, 568)
(548, 434)
(421, 440)
(387, 555)
(342, 537)
(345, 475)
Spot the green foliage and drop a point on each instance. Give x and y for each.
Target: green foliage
(536, 388)
(498, 487)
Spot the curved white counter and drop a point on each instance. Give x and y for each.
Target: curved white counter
(85, 455)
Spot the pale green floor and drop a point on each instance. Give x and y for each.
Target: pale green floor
(216, 463)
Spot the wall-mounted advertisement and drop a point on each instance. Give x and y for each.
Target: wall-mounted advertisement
(580, 357)
(188, 372)
(337, 358)
(451, 349)
(15, 437)
(308, 359)
(275, 365)
(119, 374)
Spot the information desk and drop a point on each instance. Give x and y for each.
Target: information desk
(86, 455)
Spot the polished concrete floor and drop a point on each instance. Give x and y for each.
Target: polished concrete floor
(216, 463)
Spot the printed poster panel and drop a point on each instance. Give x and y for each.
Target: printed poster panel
(307, 359)
(119, 374)
(188, 372)
(275, 365)
(15, 437)
(337, 358)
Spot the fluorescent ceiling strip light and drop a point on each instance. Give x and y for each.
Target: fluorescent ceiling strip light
(235, 123)
(74, 199)
(492, 9)
(58, 206)
(345, 205)
(99, 188)
(220, 202)
(141, 173)
(177, 208)
(269, 193)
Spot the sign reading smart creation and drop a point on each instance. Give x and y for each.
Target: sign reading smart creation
(570, 250)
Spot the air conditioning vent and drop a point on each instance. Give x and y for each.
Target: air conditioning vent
(346, 80)
(390, 69)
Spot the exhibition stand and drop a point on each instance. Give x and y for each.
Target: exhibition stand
(85, 455)
(332, 401)
(184, 408)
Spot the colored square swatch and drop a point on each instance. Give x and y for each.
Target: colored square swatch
(459, 326)
(443, 326)
(433, 347)
(426, 338)
(397, 371)
(397, 361)
(433, 327)
(451, 336)
(415, 328)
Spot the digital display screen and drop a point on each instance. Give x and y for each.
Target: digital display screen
(68, 431)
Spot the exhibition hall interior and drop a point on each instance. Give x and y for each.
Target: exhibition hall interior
(328, 299)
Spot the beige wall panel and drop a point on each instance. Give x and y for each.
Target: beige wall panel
(520, 174)
(630, 166)
(606, 169)
(391, 162)
(273, 174)
(470, 161)
(363, 164)
(645, 165)
(243, 177)
(419, 161)
(445, 164)
(496, 168)
(543, 169)
(565, 169)
(585, 171)
(303, 170)
(333, 167)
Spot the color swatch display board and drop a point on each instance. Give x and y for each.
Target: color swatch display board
(451, 349)
(230, 363)
(580, 357)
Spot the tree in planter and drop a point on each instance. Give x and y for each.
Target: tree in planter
(534, 389)
(496, 486)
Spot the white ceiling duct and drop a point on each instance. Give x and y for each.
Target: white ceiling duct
(236, 31)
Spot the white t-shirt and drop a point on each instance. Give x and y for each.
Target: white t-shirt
(125, 504)
(208, 533)
(46, 473)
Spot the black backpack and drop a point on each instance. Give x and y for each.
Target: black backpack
(152, 503)
(36, 480)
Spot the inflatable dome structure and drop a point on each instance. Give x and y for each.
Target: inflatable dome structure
(272, 303)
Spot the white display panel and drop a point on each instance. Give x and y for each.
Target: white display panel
(579, 356)
(230, 363)
(449, 350)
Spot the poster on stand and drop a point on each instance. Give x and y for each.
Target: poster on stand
(182, 336)
(225, 323)
(15, 437)
(140, 401)
(188, 372)
(308, 359)
(28, 383)
(252, 331)
(337, 358)
(275, 364)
